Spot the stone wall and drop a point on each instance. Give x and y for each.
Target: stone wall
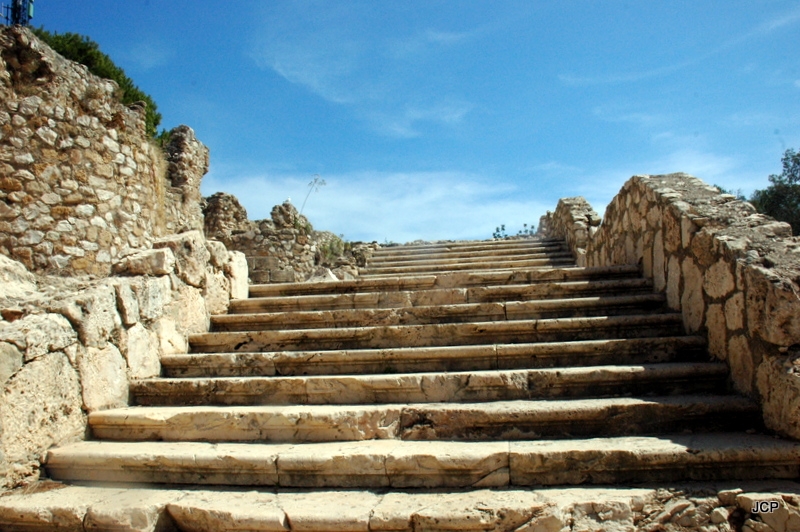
(69, 346)
(81, 183)
(733, 273)
(284, 248)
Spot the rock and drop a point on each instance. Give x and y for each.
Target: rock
(170, 341)
(216, 293)
(10, 361)
(41, 408)
(104, 378)
(321, 275)
(141, 353)
(148, 262)
(152, 295)
(188, 310)
(127, 303)
(93, 313)
(15, 280)
(218, 253)
(210, 511)
(39, 334)
(236, 270)
(191, 255)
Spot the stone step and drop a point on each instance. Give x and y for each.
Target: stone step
(496, 265)
(427, 254)
(431, 464)
(445, 280)
(470, 386)
(468, 245)
(505, 420)
(442, 358)
(440, 334)
(478, 262)
(443, 296)
(223, 509)
(512, 310)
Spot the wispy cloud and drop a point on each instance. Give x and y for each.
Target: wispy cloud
(400, 206)
(406, 124)
(149, 54)
(425, 41)
(615, 113)
(761, 30)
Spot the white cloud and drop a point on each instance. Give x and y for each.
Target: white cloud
(149, 54)
(398, 207)
(406, 124)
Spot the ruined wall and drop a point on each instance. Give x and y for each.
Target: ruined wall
(284, 248)
(70, 346)
(733, 273)
(81, 183)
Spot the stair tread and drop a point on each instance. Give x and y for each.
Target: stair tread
(400, 463)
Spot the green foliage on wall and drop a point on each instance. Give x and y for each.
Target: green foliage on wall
(83, 50)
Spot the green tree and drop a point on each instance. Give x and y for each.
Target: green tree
(83, 50)
(781, 199)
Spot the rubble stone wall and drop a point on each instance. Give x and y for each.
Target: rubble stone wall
(70, 346)
(81, 183)
(284, 248)
(733, 273)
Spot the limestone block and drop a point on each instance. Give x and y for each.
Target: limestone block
(191, 255)
(15, 280)
(141, 510)
(218, 253)
(785, 519)
(771, 307)
(734, 312)
(659, 265)
(148, 262)
(41, 407)
(740, 360)
(209, 511)
(717, 337)
(39, 334)
(127, 304)
(141, 352)
(216, 292)
(718, 279)
(104, 378)
(10, 361)
(673, 283)
(152, 295)
(780, 396)
(62, 509)
(692, 304)
(170, 341)
(188, 310)
(328, 511)
(236, 271)
(93, 313)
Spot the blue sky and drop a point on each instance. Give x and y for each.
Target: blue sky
(438, 120)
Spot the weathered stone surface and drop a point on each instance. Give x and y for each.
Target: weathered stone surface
(10, 361)
(216, 293)
(127, 304)
(209, 511)
(93, 313)
(236, 270)
(191, 255)
(39, 334)
(152, 295)
(218, 253)
(103, 377)
(188, 310)
(41, 407)
(170, 340)
(15, 280)
(58, 509)
(148, 262)
(133, 510)
(141, 353)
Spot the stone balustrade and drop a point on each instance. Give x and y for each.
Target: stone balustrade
(733, 273)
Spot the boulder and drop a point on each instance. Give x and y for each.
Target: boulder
(191, 255)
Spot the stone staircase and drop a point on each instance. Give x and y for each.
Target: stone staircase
(445, 369)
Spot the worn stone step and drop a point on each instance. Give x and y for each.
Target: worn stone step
(443, 296)
(512, 310)
(467, 245)
(472, 386)
(442, 358)
(432, 464)
(477, 261)
(455, 253)
(496, 265)
(444, 280)
(505, 420)
(517, 331)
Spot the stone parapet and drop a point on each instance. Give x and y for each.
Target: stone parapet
(733, 273)
(81, 183)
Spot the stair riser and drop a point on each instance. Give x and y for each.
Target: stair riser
(499, 265)
(422, 336)
(461, 247)
(431, 388)
(420, 423)
(381, 258)
(446, 296)
(467, 358)
(446, 280)
(467, 261)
